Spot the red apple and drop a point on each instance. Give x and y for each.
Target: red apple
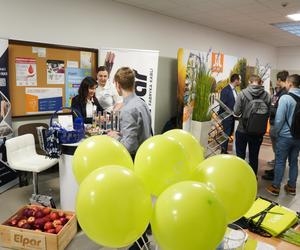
(58, 228)
(39, 214)
(21, 222)
(31, 220)
(46, 210)
(61, 214)
(63, 220)
(26, 226)
(46, 218)
(14, 222)
(54, 216)
(51, 231)
(56, 223)
(48, 225)
(39, 223)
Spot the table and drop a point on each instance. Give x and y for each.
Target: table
(276, 242)
(67, 182)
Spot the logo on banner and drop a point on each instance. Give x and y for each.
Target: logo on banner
(217, 62)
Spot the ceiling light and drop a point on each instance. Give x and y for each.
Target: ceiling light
(294, 17)
(292, 28)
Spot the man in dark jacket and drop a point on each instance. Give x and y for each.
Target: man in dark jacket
(228, 97)
(243, 138)
(280, 90)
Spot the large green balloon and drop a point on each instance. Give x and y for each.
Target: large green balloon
(188, 216)
(190, 144)
(98, 151)
(232, 179)
(113, 207)
(161, 162)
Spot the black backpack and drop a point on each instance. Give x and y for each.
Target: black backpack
(295, 126)
(256, 114)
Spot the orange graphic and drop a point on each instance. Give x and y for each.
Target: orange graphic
(217, 62)
(32, 104)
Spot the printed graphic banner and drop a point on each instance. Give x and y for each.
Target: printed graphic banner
(8, 177)
(43, 100)
(143, 62)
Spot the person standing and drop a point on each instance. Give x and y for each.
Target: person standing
(252, 107)
(106, 92)
(280, 90)
(228, 97)
(287, 129)
(135, 120)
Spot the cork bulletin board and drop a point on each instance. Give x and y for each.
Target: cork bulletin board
(39, 74)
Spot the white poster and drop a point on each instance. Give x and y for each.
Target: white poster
(55, 72)
(85, 60)
(143, 62)
(26, 72)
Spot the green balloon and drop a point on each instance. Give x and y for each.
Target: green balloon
(189, 143)
(113, 207)
(188, 215)
(232, 179)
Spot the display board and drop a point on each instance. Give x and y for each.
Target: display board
(44, 77)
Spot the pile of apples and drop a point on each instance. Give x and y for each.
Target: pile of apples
(41, 219)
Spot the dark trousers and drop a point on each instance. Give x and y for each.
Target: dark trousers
(253, 142)
(228, 126)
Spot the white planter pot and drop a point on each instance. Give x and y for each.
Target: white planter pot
(200, 131)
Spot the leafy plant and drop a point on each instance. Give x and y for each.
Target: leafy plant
(203, 82)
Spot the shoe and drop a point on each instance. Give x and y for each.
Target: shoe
(289, 190)
(273, 190)
(272, 162)
(268, 177)
(270, 171)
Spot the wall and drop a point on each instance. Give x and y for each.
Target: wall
(288, 58)
(100, 23)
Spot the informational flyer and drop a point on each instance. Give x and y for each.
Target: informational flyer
(43, 100)
(73, 79)
(55, 72)
(26, 72)
(85, 60)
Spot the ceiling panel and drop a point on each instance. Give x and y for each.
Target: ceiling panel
(246, 18)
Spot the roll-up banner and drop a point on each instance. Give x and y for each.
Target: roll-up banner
(143, 62)
(8, 177)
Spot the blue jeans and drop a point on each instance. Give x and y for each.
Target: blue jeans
(286, 148)
(254, 142)
(228, 126)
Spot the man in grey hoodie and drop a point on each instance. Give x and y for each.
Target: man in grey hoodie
(242, 137)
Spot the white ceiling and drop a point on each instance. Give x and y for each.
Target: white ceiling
(246, 18)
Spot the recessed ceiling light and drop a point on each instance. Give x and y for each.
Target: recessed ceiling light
(294, 17)
(292, 28)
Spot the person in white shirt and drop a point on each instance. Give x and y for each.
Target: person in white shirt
(106, 92)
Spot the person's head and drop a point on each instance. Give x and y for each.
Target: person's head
(102, 75)
(87, 88)
(281, 78)
(293, 81)
(124, 80)
(235, 79)
(255, 80)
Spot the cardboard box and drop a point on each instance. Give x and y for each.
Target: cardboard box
(19, 238)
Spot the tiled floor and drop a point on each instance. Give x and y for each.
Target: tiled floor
(16, 197)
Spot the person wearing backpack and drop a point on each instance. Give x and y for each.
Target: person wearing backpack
(287, 128)
(252, 106)
(280, 91)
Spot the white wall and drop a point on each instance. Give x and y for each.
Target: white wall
(288, 58)
(100, 23)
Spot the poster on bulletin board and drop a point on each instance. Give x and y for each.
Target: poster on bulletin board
(45, 100)
(143, 62)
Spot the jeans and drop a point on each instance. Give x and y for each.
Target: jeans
(228, 127)
(254, 142)
(286, 148)
(273, 138)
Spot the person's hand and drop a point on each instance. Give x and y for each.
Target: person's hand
(118, 106)
(114, 134)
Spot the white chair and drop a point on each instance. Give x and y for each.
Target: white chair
(21, 155)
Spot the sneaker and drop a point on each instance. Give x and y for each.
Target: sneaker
(271, 162)
(270, 171)
(273, 190)
(289, 190)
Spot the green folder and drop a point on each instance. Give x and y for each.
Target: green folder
(277, 219)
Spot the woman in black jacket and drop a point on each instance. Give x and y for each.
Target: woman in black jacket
(85, 102)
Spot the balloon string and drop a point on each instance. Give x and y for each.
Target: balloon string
(137, 242)
(145, 244)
